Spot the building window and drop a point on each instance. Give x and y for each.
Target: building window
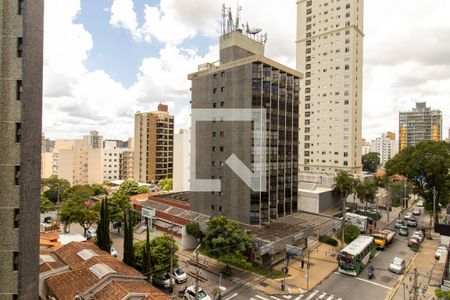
(20, 7)
(222, 89)
(213, 148)
(17, 175)
(347, 6)
(221, 148)
(16, 217)
(19, 47)
(213, 163)
(18, 132)
(222, 134)
(222, 104)
(19, 89)
(212, 206)
(214, 134)
(345, 163)
(214, 105)
(215, 75)
(222, 74)
(15, 261)
(220, 208)
(15, 297)
(214, 90)
(347, 15)
(347, 67)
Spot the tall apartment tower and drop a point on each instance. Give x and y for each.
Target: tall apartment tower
(21, 42)
(330, 53)
(246, 79)
(386, 146)
(420, 124)
(93, 140)
(153, 145)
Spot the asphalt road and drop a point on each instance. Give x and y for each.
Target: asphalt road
(357, 288)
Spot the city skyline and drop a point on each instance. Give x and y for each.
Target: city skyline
(98, 86)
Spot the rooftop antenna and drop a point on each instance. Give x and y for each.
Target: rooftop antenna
(238, 16)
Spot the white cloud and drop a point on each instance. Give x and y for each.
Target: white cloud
(124, 16)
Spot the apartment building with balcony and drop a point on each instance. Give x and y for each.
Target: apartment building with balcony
(153, 145)
(386, 146)
(330, 54)
(245, 79)
(21, 56)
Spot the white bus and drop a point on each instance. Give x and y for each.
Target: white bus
(356, 255)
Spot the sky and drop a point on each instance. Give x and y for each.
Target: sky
(104, 60)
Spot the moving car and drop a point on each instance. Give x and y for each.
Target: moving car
(414, 244)
(409, 216)
(403, 230)
(91, 233)
(399, 223)
(113, 252)
(439, 250)
(189, 294)
(412, 222)
(418, 235)
(416, 211)
(164, 282)
(180, 276)
(397, 265)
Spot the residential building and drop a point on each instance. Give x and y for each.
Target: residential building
(21, 43)
(246, 79)
(111, 159)
(182, 161)
(126, 164)
(365, 147)
(93, 140)
(153, 145)
(420, 124)
(330, 53)
(386, 146)
(81, 270)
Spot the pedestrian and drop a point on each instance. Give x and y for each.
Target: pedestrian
(303, 263)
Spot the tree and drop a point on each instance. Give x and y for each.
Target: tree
(226, 240)
(98, 189)
(370, 162)
(343, 184)
(426, 166)
(162, 248)
(78, 211)
(128, 253)
(120, 203)
(129, 187)
(194, 230)
(143, 189)
(166, 184)
(366, 191)
(351, 233)
(51, 186)
(103, 240)
(46, 204)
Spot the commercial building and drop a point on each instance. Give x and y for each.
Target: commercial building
(386, 146)
(21, 43)
(330, 54)
(420, 124)
(182, 161)
(246, 79)
(153, 145)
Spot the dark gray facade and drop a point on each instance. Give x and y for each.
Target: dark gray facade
(247, 81)
(21, 29)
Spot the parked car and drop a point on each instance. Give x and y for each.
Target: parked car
(189, 294)
(419, 235)
(164, 282)
(439, 250)
(420, 203)
(416, 211)
(113, 252)
(180, 276)
(412, 222)
(397, 265)
(48, 220)
(408, 216)
(414, 244)
(91, 233)
(399, 223)
(403, 230)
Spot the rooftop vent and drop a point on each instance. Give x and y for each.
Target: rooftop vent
(87, 254)
(101, 270)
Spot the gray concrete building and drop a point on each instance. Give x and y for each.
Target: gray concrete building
(420, 124)
(245, 79)
(21, 43)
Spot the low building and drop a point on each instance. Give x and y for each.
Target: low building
(83, 270)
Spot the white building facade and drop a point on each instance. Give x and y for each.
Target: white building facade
(385, 146)
(182, 161)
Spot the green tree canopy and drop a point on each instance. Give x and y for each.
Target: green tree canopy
(366, 191)
(351, 232)
(119, 203)
(426, 166)
(50, 187)
(143, 189)
(103, 240)
(166, 184)
(226, 240)
(46, 204)
(160, 253)
(194, 230)
(343, 183)
(129, 187)
(98, 189)
(371, 162)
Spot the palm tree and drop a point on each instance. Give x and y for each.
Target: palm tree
(343, 184)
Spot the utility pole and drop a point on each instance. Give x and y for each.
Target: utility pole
(415, 286)
(344, 208)
(308, 265)
(58, 205)
(196, 271)
(388, 202)
(171, 254)
(434, 204)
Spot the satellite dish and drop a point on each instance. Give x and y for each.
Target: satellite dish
(253, 30)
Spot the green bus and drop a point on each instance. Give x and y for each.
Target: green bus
(356, 255)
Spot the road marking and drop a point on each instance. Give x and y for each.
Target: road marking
(232, 296)
(367, 281)
(331, 297)
(299, 297)
(273, 297)
(312, 295)
(261, 297)
(322, 296)
(287, 296)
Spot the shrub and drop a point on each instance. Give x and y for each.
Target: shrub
(351, 232)
(328, 240)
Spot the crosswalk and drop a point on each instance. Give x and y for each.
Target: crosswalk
(313, 295)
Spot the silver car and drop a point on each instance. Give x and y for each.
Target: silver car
(397, 265)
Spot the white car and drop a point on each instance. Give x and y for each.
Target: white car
(397, 265)
(416, 211)
(164, 282)
(113, 252)
(440, 249)
(91, 233)
(189, 294)
(420, 203)
(409, 216)
(180, 276)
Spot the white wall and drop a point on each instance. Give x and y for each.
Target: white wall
(181, 161)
